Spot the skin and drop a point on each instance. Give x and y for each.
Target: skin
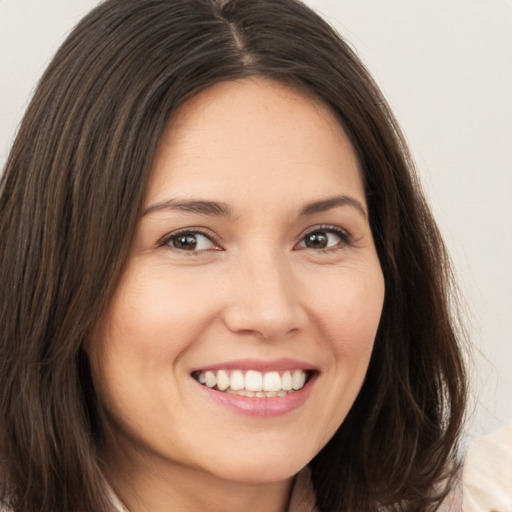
(253, 288)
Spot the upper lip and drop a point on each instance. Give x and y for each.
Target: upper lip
(260, 365)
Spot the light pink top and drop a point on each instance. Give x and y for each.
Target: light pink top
(487, 476)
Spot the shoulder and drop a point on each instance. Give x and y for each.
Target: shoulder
(488, 472)
(453, 502)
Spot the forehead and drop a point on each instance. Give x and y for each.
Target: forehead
(253, 138)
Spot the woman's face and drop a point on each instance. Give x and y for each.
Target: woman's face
(252, 270)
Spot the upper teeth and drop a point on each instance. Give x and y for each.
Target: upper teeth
(253, 380)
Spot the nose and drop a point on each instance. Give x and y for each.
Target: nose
(264, 298)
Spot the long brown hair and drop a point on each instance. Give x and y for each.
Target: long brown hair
(69, 201)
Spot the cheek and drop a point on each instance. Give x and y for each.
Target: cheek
(348, 317)
(348, 309)
(155, 313)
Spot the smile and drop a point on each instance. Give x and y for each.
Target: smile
(253, 383)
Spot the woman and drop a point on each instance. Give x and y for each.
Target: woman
(221, 285)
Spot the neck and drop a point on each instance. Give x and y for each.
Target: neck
(145, 486)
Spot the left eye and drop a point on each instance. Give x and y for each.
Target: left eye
(322, 239)
(190, 241)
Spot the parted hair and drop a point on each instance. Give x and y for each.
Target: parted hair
(70, 197)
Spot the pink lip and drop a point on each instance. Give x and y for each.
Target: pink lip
(259, 365)
(260, 407)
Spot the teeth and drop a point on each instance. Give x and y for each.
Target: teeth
(298, 379)
(222, 380)
(286, 381)
(254, 383)
(210, 379)
(272, 381)
(237, 381)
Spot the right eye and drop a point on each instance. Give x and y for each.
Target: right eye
(190, 241)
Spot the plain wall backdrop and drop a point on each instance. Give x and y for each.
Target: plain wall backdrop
(445, 67)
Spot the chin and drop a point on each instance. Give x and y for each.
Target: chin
(260, 474)
(262, 468)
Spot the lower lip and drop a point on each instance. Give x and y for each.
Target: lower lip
(262, 407)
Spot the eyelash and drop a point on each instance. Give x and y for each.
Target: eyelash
(167, 239)
(345, 237)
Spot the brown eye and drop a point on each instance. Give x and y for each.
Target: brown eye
(316, 241)
(325, 238)
(186, 242)
(190, 241)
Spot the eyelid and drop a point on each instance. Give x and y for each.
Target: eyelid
(164, 241)
(345, 236)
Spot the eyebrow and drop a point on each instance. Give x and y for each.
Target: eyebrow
(213, 208)
(330, 203)
(220, 209)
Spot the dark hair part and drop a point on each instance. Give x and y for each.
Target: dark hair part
(69, 202)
